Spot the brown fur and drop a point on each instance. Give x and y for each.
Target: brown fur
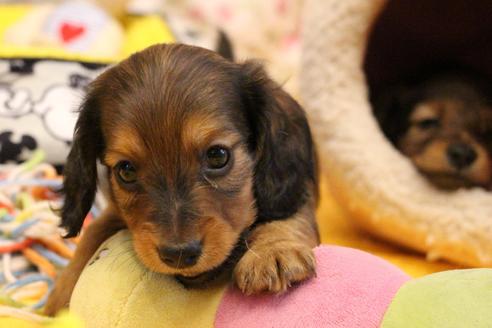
(279, 254)
(161, 110)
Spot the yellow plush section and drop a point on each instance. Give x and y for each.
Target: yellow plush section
(140, 32)
(131, 295)
(9, 14)
(337, 228)
(63, 320)
(18, 323)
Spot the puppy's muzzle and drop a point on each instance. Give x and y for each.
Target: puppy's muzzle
(461, 155)
(182, 256)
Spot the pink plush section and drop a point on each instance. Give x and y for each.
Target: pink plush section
(352, 289)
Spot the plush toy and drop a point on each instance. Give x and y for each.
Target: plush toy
(352, 289)
(378, 186)
(86, 27)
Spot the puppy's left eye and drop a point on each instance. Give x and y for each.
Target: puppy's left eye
(428, 123)
(217, 157)
(126, 172)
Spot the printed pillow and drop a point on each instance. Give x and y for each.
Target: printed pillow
(38, 106)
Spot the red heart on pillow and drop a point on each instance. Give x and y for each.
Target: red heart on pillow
(70, 31)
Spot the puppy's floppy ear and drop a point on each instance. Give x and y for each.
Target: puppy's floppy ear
(392, 108)
(286, 161)
(485, 125)
(80, 173)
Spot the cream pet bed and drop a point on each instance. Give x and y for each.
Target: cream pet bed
(375, 183)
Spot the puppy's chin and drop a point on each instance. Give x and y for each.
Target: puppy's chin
(221, 273)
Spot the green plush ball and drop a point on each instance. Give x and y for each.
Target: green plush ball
(457, 298)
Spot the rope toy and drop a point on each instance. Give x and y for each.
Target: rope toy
(31, 249)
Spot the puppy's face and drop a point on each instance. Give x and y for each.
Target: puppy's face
(197, 149)
(183, 184)
(446, 140)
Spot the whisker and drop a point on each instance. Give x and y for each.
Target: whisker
(212, 183)
(179, 258)
(250, 249)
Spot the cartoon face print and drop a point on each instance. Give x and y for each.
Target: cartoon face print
(21, 80)
(14, 102)
(12, 148)
(58, 106)
(39, 99)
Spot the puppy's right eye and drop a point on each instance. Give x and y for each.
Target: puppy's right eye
(126, 173)
(217, 157)
(428, 123)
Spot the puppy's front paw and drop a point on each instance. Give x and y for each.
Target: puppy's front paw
(61, 294)
(274, 267)
(58, 300)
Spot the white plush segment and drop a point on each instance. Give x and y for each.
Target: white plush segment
(356, 156)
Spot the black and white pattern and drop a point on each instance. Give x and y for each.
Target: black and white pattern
(38, 103)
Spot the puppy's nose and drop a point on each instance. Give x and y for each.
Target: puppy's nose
(461, 155)
(181, 257)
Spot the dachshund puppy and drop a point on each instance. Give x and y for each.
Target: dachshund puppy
(211, 167)
(444, 125)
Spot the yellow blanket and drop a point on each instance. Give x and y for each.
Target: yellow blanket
(336, 227)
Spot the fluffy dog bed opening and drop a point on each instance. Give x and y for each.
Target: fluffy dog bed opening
(354, 47)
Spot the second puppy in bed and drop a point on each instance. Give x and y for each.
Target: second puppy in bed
(211, 167)
(444, 125)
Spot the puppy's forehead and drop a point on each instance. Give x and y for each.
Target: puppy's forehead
(438, 108)
(174, 75)
(171, 101)
(168, 77)
(424, 111)
(186, 138)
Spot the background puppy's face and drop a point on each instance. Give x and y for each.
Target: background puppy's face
(444, 125)
(197, 148)
(445, 141)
